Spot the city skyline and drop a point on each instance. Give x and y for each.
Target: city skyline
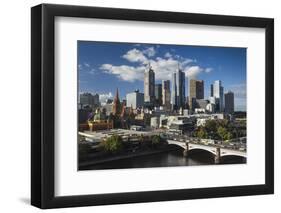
(122, 65)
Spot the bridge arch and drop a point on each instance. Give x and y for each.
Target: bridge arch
(233, 154)
(216, 151)
(202, 149)
(177, 145)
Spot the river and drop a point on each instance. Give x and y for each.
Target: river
(164, 159)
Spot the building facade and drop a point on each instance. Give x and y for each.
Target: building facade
(215, 101)
(212, 90)
(178, 89)
(196, 91)
(201, 103)
(166, 94)
(218, 93)
(174, 91)
(135, 99)
(158, 94)
(89, 99)
(181, 88)
(149, 86)
(229, 102)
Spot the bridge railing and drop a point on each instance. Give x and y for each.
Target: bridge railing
(207, 142)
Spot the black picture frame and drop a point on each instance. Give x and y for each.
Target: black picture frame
(43, 117)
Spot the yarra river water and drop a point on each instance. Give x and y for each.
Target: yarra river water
(169, 158)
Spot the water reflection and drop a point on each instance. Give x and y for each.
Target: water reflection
(171, 158)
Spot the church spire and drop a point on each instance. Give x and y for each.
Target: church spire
(116, 104)
(116, 95)
(149, 67)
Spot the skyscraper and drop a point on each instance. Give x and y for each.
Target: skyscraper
(166, 94)
(229, 102)
(212, 90)
(89, 99)
(135, 99)
(174, 91)
(196, 91)
(158, 94)
(149, 85)
(218, 93)
(178, 89)
(216, 102)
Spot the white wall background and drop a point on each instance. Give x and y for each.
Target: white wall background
(15, 105)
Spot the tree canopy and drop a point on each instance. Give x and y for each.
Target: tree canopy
(216, 129)
(113, 144)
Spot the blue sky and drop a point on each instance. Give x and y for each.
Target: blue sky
(105, 66)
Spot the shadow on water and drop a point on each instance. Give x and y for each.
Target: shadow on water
(164, 159)
(233, 160)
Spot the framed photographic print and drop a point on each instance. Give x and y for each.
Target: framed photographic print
(140, 106)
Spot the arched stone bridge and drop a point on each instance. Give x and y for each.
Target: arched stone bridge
(217, 151)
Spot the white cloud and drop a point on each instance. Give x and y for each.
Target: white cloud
(124, 72)
(80, 67)
(149, 51)
(186, 61)
(103, 97)
(86, 68)
(191, 72)
(168, 55)
(135, 55)
(163, 67)
(92, 71)
(208, 69)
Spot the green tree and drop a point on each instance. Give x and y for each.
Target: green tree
(113, 144)
(229, 136)
(211, 125)
(222, 132)
(223, 123)
(202, 133)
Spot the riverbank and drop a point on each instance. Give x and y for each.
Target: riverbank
(92, 162)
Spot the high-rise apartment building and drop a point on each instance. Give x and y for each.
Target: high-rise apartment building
(218, 93)
(212, 90)
(166, 94)
(135, 99)
(196, 91)
(174, 91)
(178, 89)
(149, 86)
(229, 102)
(158, 94)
